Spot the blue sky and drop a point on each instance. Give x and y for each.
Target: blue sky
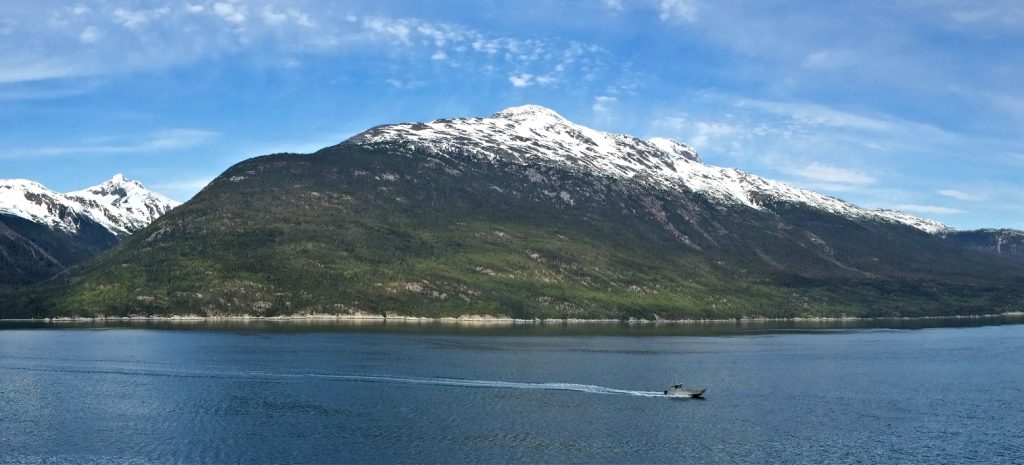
(913, 105)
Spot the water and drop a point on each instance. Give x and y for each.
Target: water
(235, 392)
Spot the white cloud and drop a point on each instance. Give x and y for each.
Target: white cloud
(273, 18)
(521, 80)
(706, 131)
(928, 209)
(614, 5)
(440, 34)
(828, 174)
(602, 104)
(677, 11)
(486, 46)
(955, 194)
(230, 13)
(393, 29)
(545, 79)
(439, 55)
(300, 18)
(194, 8)
(80, 9)
(133, 19)
(700, 134)
(90, 35)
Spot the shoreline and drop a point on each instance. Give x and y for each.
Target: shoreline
(491, 320)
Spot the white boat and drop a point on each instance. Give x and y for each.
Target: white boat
(680, 392)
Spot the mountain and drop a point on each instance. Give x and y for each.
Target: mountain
(534, 134)
(1003, 242)
(525, 214)
(43, 232)
(122, 205)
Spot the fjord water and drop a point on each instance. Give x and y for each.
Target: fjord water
(574, 394)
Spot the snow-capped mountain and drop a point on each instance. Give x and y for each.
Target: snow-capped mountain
(34, 202)
(525, 214)
(122, 204)
(119, 205)
(535, 134)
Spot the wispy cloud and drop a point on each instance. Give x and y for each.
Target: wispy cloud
(959, 195)
(90, 35)
(700, 134)
(614, 5)
(182, 189)
(818, 115)
(928, 209)
(993, 13)
(14, 69)
(111, 39)
(833, 175)
(708, 131)
(134, 19)
(164, 140)
(603, 104)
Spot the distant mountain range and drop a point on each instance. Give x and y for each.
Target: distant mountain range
(526, 214)
(43, 232)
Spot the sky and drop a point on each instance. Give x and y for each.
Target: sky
(911, 105)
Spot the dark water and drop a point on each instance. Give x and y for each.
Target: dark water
(369, 394)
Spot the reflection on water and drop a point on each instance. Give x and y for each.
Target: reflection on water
(527, 328)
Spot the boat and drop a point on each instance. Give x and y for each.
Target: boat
(679, 392)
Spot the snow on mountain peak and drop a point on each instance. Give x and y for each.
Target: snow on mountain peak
(123, 205)
(672, 147)
(120, 205)
(120, 179)
(529, 112)
(535, 134)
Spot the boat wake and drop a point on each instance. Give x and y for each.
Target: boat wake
(478, 383)
(128, 369)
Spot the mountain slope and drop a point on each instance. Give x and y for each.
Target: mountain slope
(1007, 243)
(526, 215)
(43, 232)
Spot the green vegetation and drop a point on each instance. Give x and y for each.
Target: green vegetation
(32, 252)
(362, 229)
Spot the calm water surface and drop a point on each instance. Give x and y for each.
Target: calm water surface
(577, 394)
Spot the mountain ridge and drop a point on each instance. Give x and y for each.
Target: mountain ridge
(477, 222)
(512, 134)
